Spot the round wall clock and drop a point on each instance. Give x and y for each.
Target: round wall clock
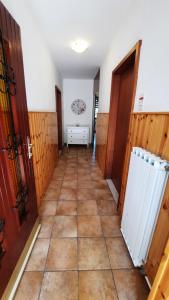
(78, 106)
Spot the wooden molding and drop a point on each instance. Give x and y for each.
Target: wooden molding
(150, 113)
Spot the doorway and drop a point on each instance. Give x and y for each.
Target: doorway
(124, 80)
(59, 116)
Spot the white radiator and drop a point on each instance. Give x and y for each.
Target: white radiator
(145, 188)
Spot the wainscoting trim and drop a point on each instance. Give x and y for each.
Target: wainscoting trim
(113, 190)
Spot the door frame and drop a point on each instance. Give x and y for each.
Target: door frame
(59, 118)
(115, 84)
(97, 77)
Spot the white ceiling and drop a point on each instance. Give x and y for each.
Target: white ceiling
(63, 21)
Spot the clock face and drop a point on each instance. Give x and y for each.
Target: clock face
(78, 106)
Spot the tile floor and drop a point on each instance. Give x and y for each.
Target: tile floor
(80, 253)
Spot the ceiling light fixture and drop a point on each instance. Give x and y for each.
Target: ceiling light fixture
(79, 46)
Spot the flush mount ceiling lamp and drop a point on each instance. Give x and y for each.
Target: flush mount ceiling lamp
(79, 46)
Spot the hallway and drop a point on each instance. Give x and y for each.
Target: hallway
(80, 253)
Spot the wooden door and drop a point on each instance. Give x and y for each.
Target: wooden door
(59, 115)
(18, 209)
(124, 82)
(125, 87)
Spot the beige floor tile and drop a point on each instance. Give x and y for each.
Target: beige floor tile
(48, 208)
(111, 225)
(87, 207)
(82, 171)
(54, 184)
(60, 286)
(131, 285)
(68, 194)
(70, 171)
(84, 177)
(96, 177)
(46, 227)
(89, 226)
(62, 254)
(58, 176)
(29, 286)
(101, 184)
(85, 194)
(59, 169)
(118, 253)
(67, 208)
(96, 285)
(72, 166)
(70, 177)
(64, 226)
(52, 194)
(92, 254)
(83, 165)
(38, 256)
(72, 159)
(70, 184)
(85, 184)
(106, 208)
(103, 194)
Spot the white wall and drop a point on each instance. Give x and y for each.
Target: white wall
(40, 72)
(77, 89)
(148, 20)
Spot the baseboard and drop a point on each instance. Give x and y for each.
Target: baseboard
(113, 190)
(11, 288)
(148, 282)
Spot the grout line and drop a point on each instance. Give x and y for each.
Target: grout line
(110, 264)
(46, 258)
(89, 160)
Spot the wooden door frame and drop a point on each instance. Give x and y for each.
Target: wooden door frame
(114, 104)
(57, 89)
(97, 77)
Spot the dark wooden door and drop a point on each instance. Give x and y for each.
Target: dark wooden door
(125, 87)
(18, 209)
(59, 115)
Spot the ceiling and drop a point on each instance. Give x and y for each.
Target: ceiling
(63, 21)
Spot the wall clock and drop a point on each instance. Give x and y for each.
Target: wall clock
(78, 106)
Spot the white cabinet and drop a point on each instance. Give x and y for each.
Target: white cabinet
(77, 135)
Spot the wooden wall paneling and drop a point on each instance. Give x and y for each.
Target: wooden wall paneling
(44, 137)
(101, 138)
(160, 238)
(150, 131)
(160, 288)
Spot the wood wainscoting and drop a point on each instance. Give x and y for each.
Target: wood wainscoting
(150, 131)
(160, 288)
(101, 139)
(44, 138)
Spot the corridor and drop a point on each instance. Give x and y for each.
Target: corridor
(80, 252)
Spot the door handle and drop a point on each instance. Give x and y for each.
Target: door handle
(29, 145)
